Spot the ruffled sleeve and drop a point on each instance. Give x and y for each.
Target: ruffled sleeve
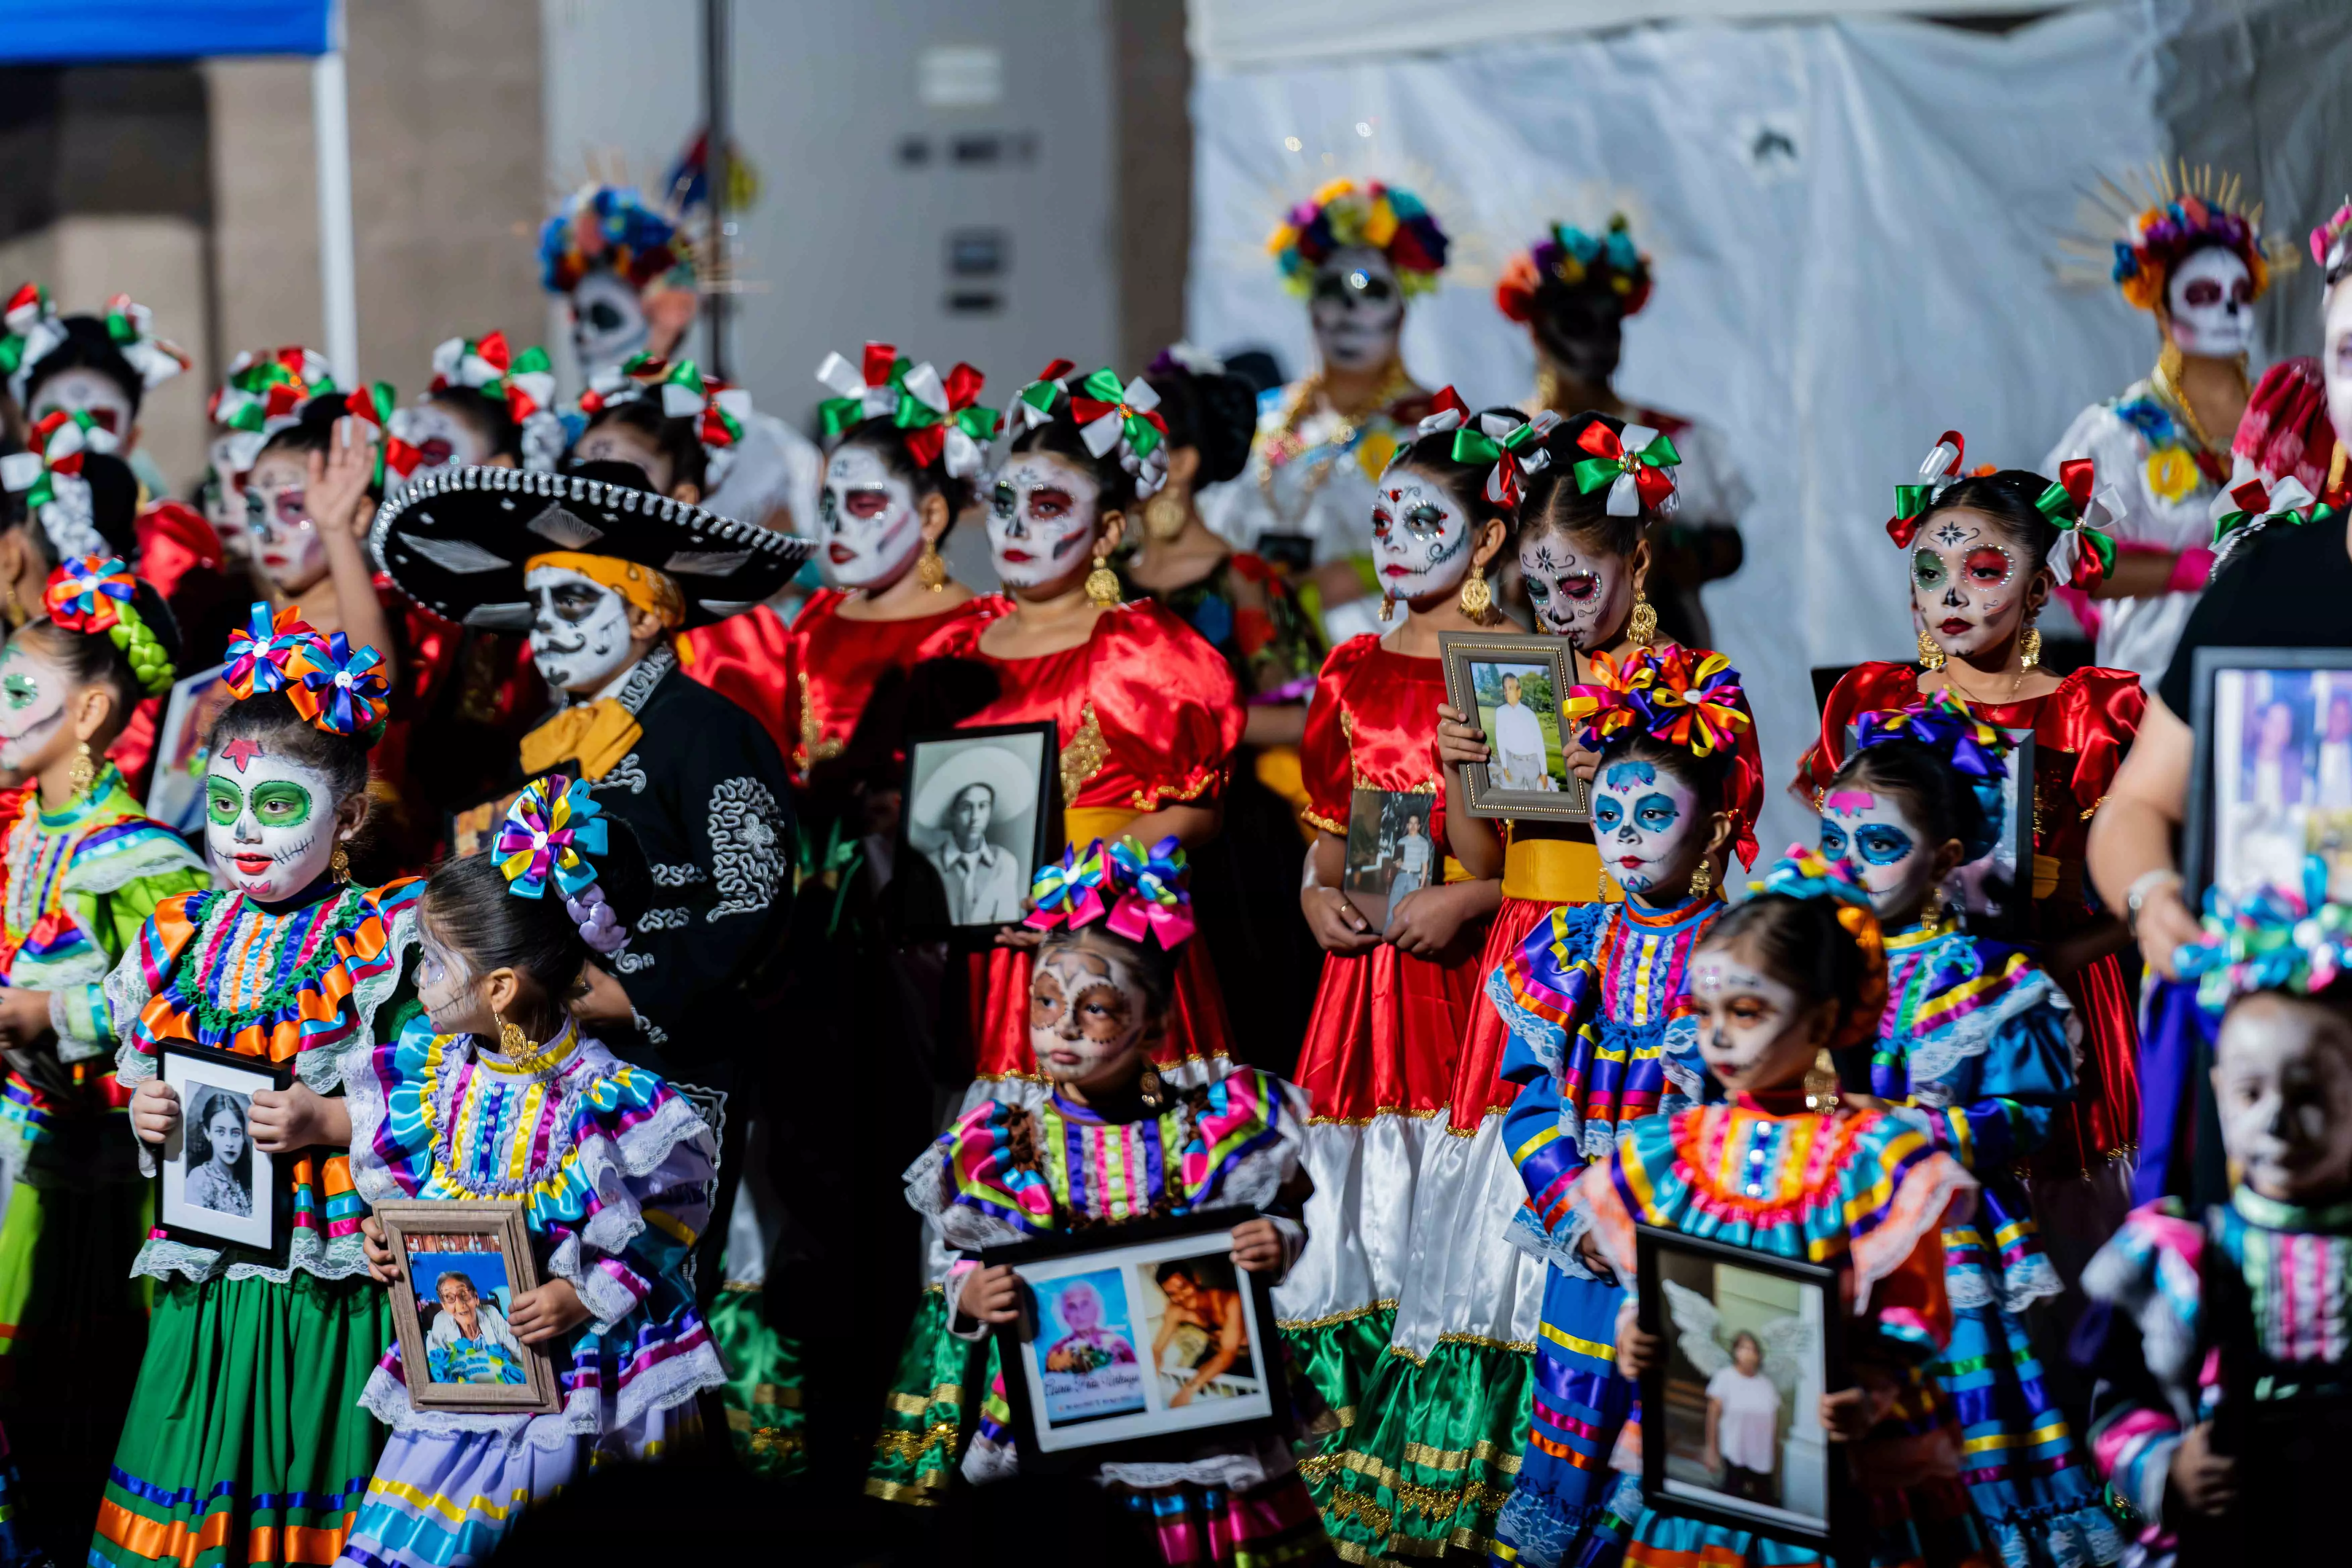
(1986, 1038)
(2140, 1339)
(1247, 1135)
(1865, 689)
(2099, 714)
(119, 876)
(1899, 1193)
(145, 968)
(395, 1111)
(1547, 990)
(1324, 754)
(979, 1182)
(1167, 703)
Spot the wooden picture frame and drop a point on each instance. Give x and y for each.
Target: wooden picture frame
(418, 1230)
(205, 1078)
(1066, 1366)
(2252, 821)
(1474, 663)
(1811, 1473)
(1020, 762)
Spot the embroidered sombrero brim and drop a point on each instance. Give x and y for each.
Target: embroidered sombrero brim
(456, 542)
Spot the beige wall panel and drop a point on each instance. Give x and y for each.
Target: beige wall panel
(266, 205)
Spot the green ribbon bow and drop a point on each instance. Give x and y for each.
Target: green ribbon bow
(1102, 393)
(836, 414)
(1474, 446)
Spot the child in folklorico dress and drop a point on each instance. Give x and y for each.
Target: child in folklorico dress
(2223, 1344)
(1781, 981)
(245, 1442)
(1977, 1047)
(493, 1093)
(1108, 1142)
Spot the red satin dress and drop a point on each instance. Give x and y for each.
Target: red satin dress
(2081, 732)
(1147, 716)
(463, 702)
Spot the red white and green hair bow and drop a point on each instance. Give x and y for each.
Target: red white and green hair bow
(395, 454)
(2286, 501)
(550, 831)
(264, 392)
(524, 382)
(29, 329)
(718, 408)
(267, 652)
(1512, 446)
(1939, 470)
(942, 419)
(1633, 463)
(1068, 891)
(2274, 939)
(1123, 419)
(48, 474)
(2085, 555)
(866, 390)
(1033, 404)
(337, 687)
(627, 382)
(131, 328)
(93, 595)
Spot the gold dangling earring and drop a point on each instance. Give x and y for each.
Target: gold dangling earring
(1822, 1083)
(1153, 1093)
(1930, 656)
(1102, 583)
(1702, 880)
(1165, 514)
(342, 864)
(2029, 647)
(1642, 625)
(931, 568)
(83, 774)
(1388, 606)
(1476, 598)
(512, 1041)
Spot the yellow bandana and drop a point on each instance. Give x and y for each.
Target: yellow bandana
(597, 735)
(654, 592)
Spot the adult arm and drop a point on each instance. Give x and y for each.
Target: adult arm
(2132, 837)
(340, 509)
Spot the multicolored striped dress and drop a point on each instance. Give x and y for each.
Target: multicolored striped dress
(80, 881)
(1978, 1041)
(1602, 1034)
(245, 1441)
(616, 1170)
(1006, 1172)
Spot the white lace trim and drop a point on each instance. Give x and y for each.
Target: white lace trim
(111, 873)
(386, 1398)
(1932, 1060)
(341, 1258)
(669, 1383)
(609, 1302)
(1527, 1234)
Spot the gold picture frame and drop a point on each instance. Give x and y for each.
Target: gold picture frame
(419, 1230)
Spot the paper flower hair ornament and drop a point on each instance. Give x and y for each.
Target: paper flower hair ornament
(1388, 218)
(48, 474)
(1606, 263)
(2085, 555)
(2276, 939)
(336, 687)
(1633, 464)
(29, 329)
(550, 831)
(262, 652)
(93, 595)
(1123, 419)
(1068, 891)
(1939, 470)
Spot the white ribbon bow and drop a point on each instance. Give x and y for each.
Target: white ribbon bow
(847, 380)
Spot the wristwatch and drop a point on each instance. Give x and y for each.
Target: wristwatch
(2144, 884)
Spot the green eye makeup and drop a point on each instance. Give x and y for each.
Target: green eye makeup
(1927, 569)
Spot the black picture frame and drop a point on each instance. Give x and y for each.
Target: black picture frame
(919, 897)
(1571, 799)
(1158, 1430)
(264, 1236)
(1842, 1530)
(2215, 720)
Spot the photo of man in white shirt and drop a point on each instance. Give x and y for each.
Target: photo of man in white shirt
(973, 821)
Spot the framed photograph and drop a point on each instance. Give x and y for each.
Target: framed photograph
(2272, 781)
(1994, 892)
(1390, 850)
(219, 1191)
(1732, 1432)
(980, 818)
(1140, 1336)
(1516, 685)
(184, 749)
(463, 1262)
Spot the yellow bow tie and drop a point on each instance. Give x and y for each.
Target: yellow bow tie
(597, 735)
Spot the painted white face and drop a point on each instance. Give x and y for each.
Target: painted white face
(2211, 297)
(33, 689)
(444, 986)
(1357, 308)
(1648, 826)
(443, 439)
(1968, 582)
(2283, 1080)
(224, 497)
(2335, 359)
(1752, 1029)
(1576, 594)
(277, 513)
(578, 629)
(872, 528)
(269, 821)
(1421, 537)
(613, 442)
(82, 388)
(1087, 1014)
(1042, 519)
(1875, 835)
(608, 322)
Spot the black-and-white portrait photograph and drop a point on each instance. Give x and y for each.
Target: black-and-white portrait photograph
(220, 1153)
(218, 1190)
(976, 812)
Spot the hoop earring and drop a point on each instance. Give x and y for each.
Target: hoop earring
(1476, 597)
(1102, 583)
(931, 568)
(1702, 880)
(341, 866)
(1642, 625)
(1930, 656)
(83, 774)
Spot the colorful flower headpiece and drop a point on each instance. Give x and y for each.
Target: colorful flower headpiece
(2277, 939)
(338, 689)
(93, 593)
(939, 419)
(2331, 242)
(260, 651)
(47, 473)
(1512, 446)
(1633, 463)
(611, 225)
(1134, 892)
(29, 328)
(549, 833)
(1687, 698)
(1975, 750)
(1388, 218)
(1803, 873)
(1605, 263)
(2161, 236)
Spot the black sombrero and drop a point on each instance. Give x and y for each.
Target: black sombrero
(456, 542)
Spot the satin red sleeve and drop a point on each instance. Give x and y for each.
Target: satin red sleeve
(2100, 714)
(748, 660)
(1745, 787)
(1324, 753)
(1865, 688)
(1167, 706)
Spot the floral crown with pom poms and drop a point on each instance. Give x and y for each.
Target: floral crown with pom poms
(1687, 698)
(1110, 418)
(549, 833)
(1804, 873)
(2085, 555)
(938, 417)
(2275, 939)
(47, 473)
(2185, 217)
(1134, 892)
(338, 689)
(93, 593)
(1967, 745)
(1604, 263)
(610, 226)
(1511, 443)
(1388, 218)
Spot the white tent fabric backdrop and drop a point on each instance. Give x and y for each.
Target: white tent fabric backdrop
(1852, 223)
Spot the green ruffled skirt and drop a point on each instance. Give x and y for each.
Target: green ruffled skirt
(1339, 1357)
(931, 1409)
(765, 1384)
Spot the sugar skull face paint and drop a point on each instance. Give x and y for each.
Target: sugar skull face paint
(224, 495)
(1042, 519)
(33, 693)
(1574, 592)
(608, 322)
(1873, 832)
(1086, 1012)
(83, 388)
(2283, 1082)
(1648, 826)
(578, 629)
(444, 987)
(1965, 581)
(1358, 309)
(2210, 298)
(278, 515)
(1752, 1029)
(871, 526)
(269, 822)
(443, 439)
(1421, 538)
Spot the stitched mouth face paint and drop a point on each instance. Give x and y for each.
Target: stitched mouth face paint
(1752, 1027)
(1420, 539)
(1576, 594)
(2283, 1084)
(269, 822)
(870, 526)
(33, 693)
(1965, 583)
(578, 629)
(1873, 834)
(1086, 1014)
(1647, 825)
(1042, 517)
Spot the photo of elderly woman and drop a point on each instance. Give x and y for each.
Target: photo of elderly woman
(1201, 1345)
(467, 1338)
(220, 1153)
